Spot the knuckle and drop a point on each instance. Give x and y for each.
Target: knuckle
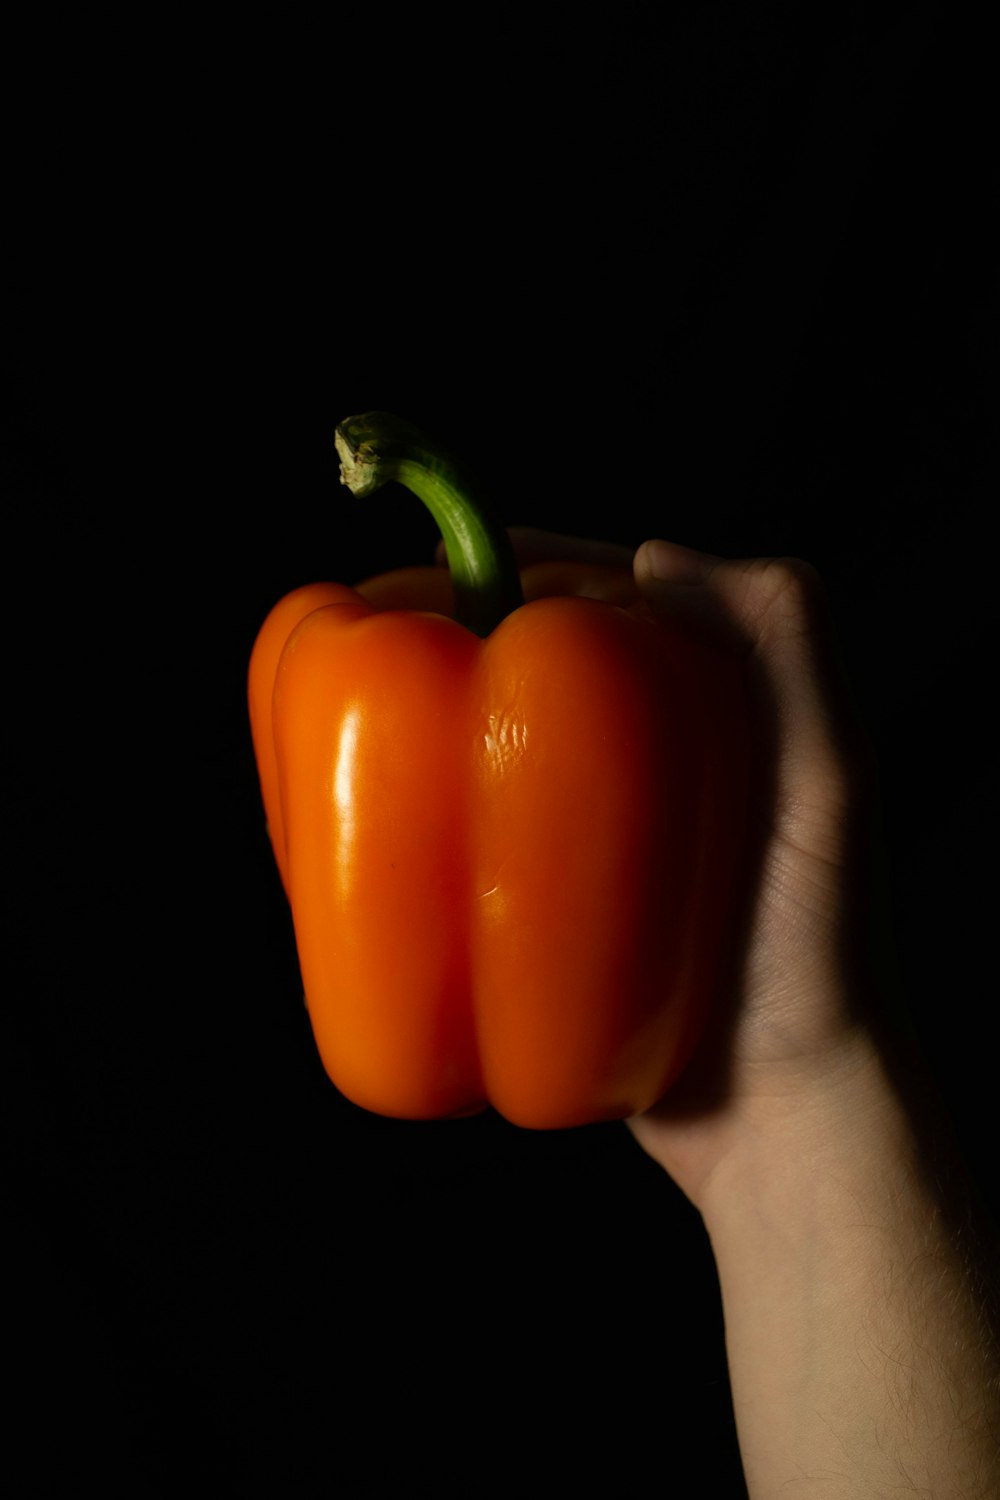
(792, 577)
(790, 594)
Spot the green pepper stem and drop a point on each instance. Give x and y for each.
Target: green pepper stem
(376, 448)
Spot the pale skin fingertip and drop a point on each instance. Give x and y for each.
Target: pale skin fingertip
(658, 561)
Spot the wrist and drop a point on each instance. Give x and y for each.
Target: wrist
(814, 1122)
(857, 1326)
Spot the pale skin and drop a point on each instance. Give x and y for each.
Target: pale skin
(857, 1288)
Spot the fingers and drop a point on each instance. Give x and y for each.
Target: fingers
(758, 601)
(774, 612)
(531, 546)
(587, 580)
(677, 582)
(669, 562)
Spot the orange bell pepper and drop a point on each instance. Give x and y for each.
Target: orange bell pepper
(511, 855)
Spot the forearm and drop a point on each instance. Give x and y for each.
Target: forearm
(861, 1357)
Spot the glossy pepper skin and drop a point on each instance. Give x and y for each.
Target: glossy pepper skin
(511, 860)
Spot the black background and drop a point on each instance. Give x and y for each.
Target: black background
(712, 272)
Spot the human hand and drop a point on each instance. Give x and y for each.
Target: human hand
(791, 1021)
(858, 1287)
